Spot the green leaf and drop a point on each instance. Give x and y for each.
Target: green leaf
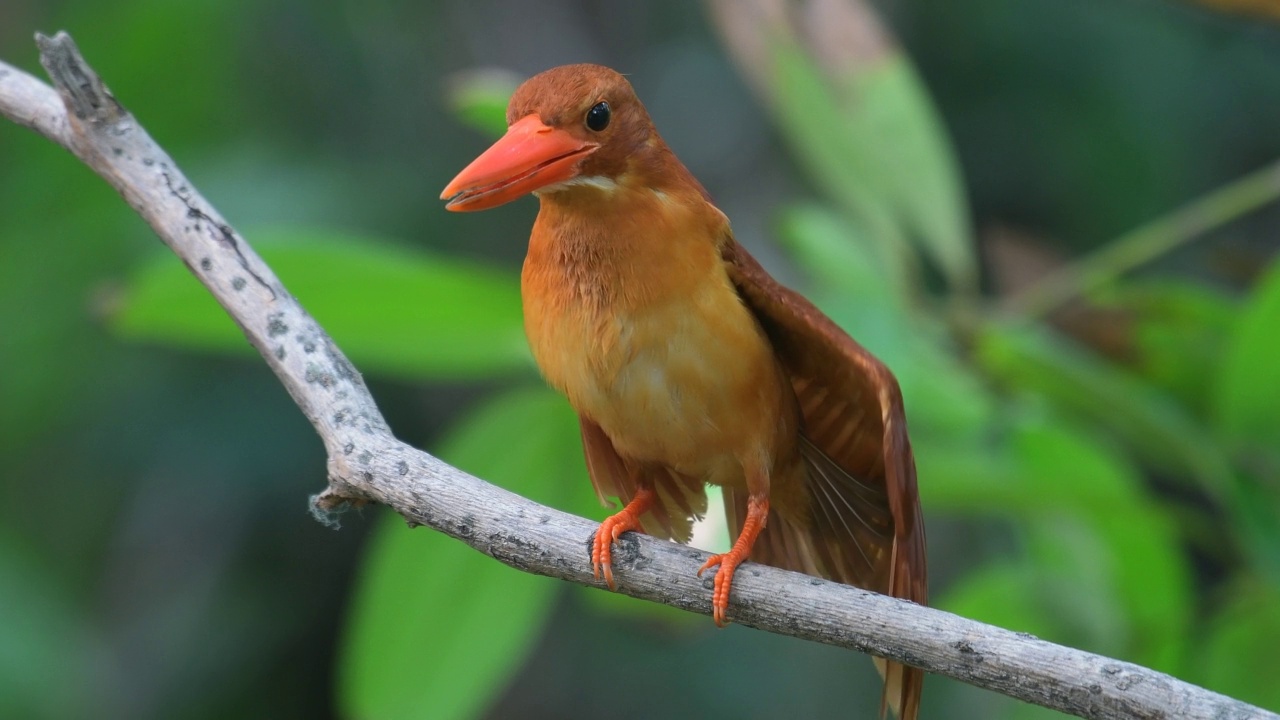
(1107, 563)
(971, 477)
(1076, 582)
(895, 119)
(884, 156)
(1247, 410)
(436, 628)
(1155, 428)
(1002, 475)
(1149, 422)
(1246, 415)
(395, 311)
(479, 99)
(839, 258)
(1118, 557)
(1179, 330)
(1240, 652)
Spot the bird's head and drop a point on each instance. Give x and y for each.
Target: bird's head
(574, 128)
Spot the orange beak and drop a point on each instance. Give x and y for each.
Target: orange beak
(530, 156)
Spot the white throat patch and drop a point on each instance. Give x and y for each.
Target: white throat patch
(595, 181)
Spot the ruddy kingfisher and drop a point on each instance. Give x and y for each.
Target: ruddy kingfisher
(688, 364)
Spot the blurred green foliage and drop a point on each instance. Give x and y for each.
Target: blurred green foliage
(402, 313)
(1119, 496)
(425, 592)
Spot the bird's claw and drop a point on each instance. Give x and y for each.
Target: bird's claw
(723, 582)
(602, 549)
(608, 573)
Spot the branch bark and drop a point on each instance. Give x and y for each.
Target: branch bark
(367, 463)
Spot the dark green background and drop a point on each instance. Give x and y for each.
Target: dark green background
(157, 559)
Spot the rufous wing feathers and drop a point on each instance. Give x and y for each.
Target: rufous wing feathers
(865, 527)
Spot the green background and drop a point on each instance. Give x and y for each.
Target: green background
(1105, 475)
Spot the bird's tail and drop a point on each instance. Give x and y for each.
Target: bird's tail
(898, 693)
(850, 538)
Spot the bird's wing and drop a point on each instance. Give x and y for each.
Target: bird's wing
(865, 526)
(681, 499)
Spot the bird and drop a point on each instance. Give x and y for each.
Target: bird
(688, 364)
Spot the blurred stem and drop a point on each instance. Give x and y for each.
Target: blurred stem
(1150, 241)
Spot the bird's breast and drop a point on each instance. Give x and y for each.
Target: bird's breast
(676, 372)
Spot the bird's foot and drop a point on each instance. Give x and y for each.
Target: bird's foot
(757, 514)
(613, 526)
(728, 562)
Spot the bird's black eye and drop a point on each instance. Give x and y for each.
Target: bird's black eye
(598, 117)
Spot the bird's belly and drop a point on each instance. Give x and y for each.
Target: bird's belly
(673, 401)
(692, 384)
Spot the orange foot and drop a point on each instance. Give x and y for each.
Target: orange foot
(613, 526)
(757, 513)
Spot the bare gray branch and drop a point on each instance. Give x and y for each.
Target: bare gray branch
(367, 463)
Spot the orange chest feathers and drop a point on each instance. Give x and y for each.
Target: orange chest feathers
(640, 327)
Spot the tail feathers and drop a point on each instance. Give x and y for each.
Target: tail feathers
(901, 688)
(848, 539)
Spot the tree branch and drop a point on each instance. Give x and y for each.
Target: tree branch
(368, 464)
